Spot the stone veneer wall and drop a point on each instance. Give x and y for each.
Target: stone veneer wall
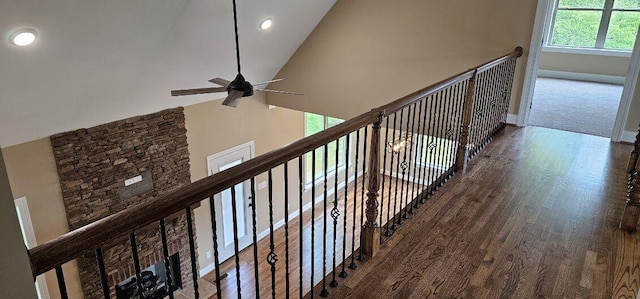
(93, 164)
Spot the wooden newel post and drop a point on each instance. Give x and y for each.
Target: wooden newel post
(631, 213)
(370, 237)
(462, 154)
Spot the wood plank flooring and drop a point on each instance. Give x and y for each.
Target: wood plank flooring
(247, 278)
(535, 216)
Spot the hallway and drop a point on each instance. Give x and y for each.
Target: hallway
(536, 215)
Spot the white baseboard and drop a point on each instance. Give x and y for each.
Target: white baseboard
(512, 119)
(582, 76)
(629, 136)
(207, 269)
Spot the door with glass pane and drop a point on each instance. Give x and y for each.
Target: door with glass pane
(224, 203)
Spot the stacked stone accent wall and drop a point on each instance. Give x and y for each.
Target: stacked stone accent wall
(93, 164)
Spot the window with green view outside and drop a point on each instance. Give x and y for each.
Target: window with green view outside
(598, 24)
(315, 123)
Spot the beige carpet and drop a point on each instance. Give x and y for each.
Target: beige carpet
(577, 106)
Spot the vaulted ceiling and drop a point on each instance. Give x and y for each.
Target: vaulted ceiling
(97, 61)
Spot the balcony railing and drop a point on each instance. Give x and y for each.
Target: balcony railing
(632, 210)
(396, 156)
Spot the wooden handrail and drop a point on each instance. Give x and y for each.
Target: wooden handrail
(89, 237)
(71, 245)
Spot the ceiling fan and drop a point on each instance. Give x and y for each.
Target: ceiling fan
(236, 89)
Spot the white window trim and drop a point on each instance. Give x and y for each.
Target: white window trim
(586, 51)
(331, 173)
(599, 48)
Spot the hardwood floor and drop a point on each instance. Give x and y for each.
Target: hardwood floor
(247, 277)
(535, 216)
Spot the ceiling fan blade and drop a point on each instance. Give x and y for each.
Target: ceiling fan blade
(184, 92)
(268, 82)
(279, 91)
(233, 98)
(220, 81)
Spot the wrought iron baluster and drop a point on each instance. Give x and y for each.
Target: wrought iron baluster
(412, 164)
(254, 223)
(343, 273)
(136, 262)
(62, 286)
(418, 160)
(432, 144)
(396, 219)
(460, 92)
(272, 257)
(301, 223)
(286, 227)
(393, 138)
(165, 257)
(216, 253)
(192, 251)
(384, 169)
(405, 165)
(103, 273)
(325, 162)
(448, 133)
(335, 213)
(441, 129)
(355, 204)
(313, 219)
(423, 152)
(362, 197)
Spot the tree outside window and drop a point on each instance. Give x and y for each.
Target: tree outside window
(598, 24)
(315, 123)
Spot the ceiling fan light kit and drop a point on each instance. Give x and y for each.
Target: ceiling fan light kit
(239, 87)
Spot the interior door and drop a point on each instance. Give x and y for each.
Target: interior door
(224, 203)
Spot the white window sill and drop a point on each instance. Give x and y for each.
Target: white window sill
(587, 51)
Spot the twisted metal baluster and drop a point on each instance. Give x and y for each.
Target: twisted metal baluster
(355, 205)
(395, 201)
(361, 256)
(313, 218)
(103, 273)
(286, 227)
(324, 292)
(272, 257)
(136, 263)
(301, 222)
(335, 213)
(393, 138)
(384, 168)
(254, 223)
(165, 256)
(404, 165)
(343, 273)
(192, 251)
(216, 253)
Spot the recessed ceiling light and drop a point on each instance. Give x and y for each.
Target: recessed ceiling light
(266, 24)
(23, 37)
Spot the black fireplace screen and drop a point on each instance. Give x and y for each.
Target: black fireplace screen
(154, 281)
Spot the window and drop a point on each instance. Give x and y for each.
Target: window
(314, 123)
(595, 24)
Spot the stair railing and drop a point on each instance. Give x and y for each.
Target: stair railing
(375, 171)
(631, 213)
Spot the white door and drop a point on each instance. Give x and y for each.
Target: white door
(224, 202)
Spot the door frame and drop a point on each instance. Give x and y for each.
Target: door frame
(26, 226)
(210, 171)
(627, 95)
(544, 13)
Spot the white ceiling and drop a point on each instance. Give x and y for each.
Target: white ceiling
(97, 61)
